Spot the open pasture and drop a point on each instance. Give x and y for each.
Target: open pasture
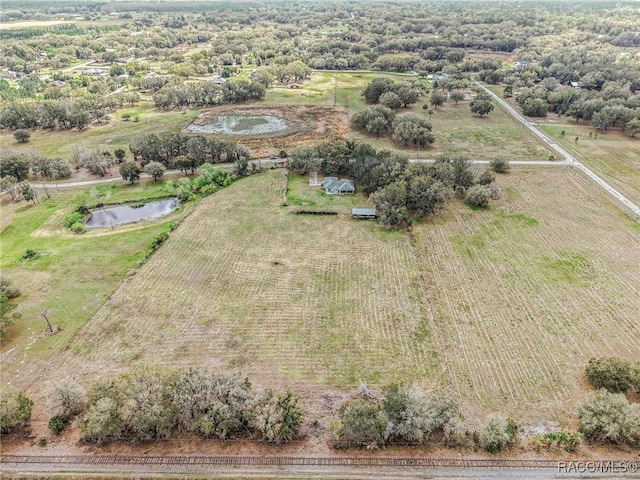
(502, 306)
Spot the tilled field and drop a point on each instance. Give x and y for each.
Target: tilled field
(503, 306)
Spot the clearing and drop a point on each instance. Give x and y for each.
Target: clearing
(502, 306)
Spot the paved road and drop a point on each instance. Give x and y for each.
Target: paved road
(568, 158)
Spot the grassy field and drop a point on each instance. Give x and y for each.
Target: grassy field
(117, 133)
(501, 306)
(74, 275)
(614, 155)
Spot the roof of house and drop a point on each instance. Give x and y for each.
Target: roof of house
(363, 212)
(338, 186)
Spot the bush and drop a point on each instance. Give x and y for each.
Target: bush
(613, 374)
(72, 218)
(486, 178)
(22, 136)
(7, 287)
(361, 423)
(278, 417)
(554, 441)
(496, 433)
(499, 165)
(478, 196)
(66, 398)
(15, 411)
(609, 418)
(56, 424)
(78, 228)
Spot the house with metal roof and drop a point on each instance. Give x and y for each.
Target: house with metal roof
(336, 186)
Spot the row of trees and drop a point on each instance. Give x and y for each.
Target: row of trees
(8, 291)
(198, 94)
(169, 149)
(392, 94)
(15, 168)
(154, 403)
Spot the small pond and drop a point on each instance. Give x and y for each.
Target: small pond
(241, 125)
(112, 216)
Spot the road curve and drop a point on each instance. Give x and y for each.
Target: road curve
(568, 158)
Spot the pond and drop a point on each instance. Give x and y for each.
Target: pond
(110, 217)
(241, 125)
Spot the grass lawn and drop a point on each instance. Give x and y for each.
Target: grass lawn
(74, 275)
(300, 194)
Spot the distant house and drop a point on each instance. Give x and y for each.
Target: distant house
(577, 84)
(521, 64)
(336, 186)
(363, 213)
(58, 84)
(94, 72)
(217, 80)
(294, 85)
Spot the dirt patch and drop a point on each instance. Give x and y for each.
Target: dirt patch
(307, 125)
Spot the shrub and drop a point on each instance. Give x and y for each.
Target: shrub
(78, 227)
(613, 374)
(553, 441)
(72, 218)
(56, 424)
(279, 416)
(66, 398)
(361, 423)
(7, 287)
(29, 254)
(478, 196)
(487, 177)
(609, 418)
(15, 411)
(496, 433)
(22, 136)
(499, 165)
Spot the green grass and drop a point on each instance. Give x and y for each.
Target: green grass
(74, 275)
(300, 194)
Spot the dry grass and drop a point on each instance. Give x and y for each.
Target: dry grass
(525, 293)
(503, 306)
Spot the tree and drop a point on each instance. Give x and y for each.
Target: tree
(391, 203)
(7, 292)
(22, 136)
(15, 166)
(487, 177)
(407, 94)
(609, 418)
(535, 107)
(130, 171)
(66, 398)
(508, 91)
(426, 195)
(15, 410)
(10, 184)
(437, 99)
(278, 417)
(390, 100)
(462, 174)
(613, 374)
(155, 169)
(376, 87)
(27, 192)
(497, 432)
(478, 196)
(499, 165)
(361, 423)
(456, 96)
(481, 105)
(120, 153)
(632, 127)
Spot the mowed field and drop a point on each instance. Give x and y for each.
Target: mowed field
(502, 306)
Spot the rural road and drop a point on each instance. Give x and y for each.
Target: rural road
(267, 161)
(568, 158)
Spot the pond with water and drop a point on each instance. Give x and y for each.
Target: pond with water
(241, 125)
(108, 217)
